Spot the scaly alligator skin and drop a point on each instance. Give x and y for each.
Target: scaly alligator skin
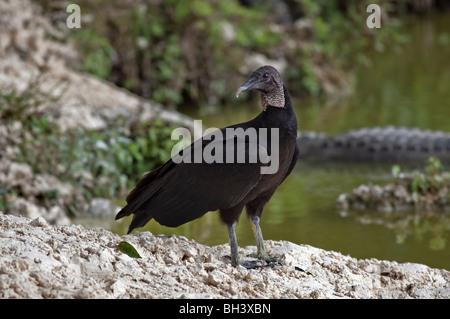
(379, 144)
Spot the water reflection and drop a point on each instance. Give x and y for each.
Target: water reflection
(431, 227)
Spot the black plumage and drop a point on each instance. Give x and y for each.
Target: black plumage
(177, 193)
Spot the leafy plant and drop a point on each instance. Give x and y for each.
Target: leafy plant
(433, 166)
(100, 163)
(115, 158)
(28, 102)
(428, 182)
(99, 52)
(103, 163)
(396, 170)
(128, 249)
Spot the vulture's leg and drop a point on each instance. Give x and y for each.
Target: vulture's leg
(233, 244)
(261, 252)
(235, 260)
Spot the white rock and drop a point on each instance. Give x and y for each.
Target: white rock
(39, 221)
(75, 262)
(216, 277)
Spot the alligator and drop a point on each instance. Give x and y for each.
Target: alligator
(378, 144)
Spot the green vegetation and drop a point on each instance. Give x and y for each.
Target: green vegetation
(178, 52)
(170, 49)
(431, 186)
(433, 182)
(104, 163)
(31, 102)
(111, 160)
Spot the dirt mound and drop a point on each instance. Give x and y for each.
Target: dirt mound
(38, 260)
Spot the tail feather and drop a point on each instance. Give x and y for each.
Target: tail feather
(123, 212)
(146, 189)
(140, 218)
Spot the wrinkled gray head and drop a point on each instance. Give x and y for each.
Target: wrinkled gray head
(268, 81)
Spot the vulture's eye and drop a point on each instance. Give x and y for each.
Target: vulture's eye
(266, 75)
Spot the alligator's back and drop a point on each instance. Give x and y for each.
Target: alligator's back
(380, 144)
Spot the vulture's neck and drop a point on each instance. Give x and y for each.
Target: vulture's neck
(274, 98)
(279, 112)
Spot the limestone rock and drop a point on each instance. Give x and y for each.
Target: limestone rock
(39, 260)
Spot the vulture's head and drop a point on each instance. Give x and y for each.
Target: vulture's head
(268, 81)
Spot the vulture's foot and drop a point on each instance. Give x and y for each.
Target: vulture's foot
(249, 264)
(271, 261)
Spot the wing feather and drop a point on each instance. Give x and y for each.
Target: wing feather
(177, 193)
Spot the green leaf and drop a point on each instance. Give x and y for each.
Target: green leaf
(128, 249)
(396, 170)
(202, 8)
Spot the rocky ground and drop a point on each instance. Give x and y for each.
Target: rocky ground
(42, 256)
(39, 260)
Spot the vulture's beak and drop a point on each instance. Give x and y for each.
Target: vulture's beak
(249, 85)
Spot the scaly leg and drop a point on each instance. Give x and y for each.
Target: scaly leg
(235, 250)
(261, 250)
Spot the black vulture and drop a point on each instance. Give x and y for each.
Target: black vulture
(182, 190)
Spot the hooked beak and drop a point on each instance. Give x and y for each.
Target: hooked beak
(250, 84)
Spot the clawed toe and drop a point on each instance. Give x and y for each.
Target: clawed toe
(258, 263)
(268, 259)
(255, 264)
(251, 264)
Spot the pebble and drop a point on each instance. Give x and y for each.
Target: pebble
(39, 221)
(216, 277)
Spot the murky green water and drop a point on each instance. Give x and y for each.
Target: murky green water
(409, 88)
